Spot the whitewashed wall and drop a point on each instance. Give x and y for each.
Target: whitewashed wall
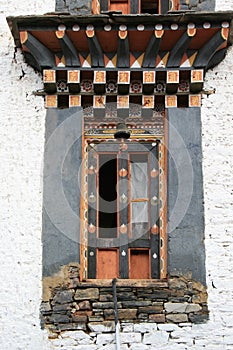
(21, 154)
(223, 5)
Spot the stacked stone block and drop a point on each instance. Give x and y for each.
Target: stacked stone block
(82, 306)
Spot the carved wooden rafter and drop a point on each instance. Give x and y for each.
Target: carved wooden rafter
(152, 49)
(97, 56)
(42, 55)
(68, 49)
(206, 53)
(216, 58)
(180, 48)
(123, 52)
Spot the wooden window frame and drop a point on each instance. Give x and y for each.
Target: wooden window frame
(162, 212)
(132, 7)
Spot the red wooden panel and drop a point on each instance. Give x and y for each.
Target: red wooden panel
(107, 264)
(119, 5)
(139, 264)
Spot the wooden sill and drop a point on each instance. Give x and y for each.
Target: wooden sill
(151, 283)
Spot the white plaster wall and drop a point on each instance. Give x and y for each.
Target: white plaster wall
(18, 8)
(21, 153)
(226, 5)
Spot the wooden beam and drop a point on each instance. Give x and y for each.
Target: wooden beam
(217, 58)
(152, 49)
(42, 55)
(163, 6)
(151, 283)
(179, 49)
(123, 53)
(123, 215)
(68, 49)
(97, 56)
(206, 53)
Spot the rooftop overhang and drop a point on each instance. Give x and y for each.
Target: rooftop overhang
(188, 40)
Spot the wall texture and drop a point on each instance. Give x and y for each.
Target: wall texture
(186, 251)
(74, 6)
(61, 201)
(197, 5)
(22, 144)
(21, 154)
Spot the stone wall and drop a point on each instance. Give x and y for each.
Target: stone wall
(90, 306)
(74, 6)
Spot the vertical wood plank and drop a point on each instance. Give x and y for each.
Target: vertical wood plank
(163, 6)
(107, 264)
(139, 264)
(123, 213)
(92, 213)
(154, 213)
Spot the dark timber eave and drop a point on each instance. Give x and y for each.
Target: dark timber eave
(172, 41)
(53, 20)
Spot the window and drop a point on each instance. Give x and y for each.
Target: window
(119, 5)
(124, 210)
(140, 6)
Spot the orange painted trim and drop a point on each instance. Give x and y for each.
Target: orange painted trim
(164, 236)
(225, 33)
(192, 32)
(175, 5)
(90, 33)
(159, 6)
(95, 7)
(60, 34)
(82, 207)
(123, 34)
(159, 33)
(23, 37)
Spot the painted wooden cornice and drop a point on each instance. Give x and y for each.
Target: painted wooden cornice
(112, 41)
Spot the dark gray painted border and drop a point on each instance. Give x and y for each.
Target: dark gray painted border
(61, 226)
(186, 251)
(61, 192)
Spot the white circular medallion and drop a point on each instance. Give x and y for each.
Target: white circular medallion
(158, 27)
(174, 26)
(225, 24)
(76, 28)
(140, 27)
(123, 27)
(61, 27)
(90, 27)
(206, 25)
(191, 26)
(107, 28)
